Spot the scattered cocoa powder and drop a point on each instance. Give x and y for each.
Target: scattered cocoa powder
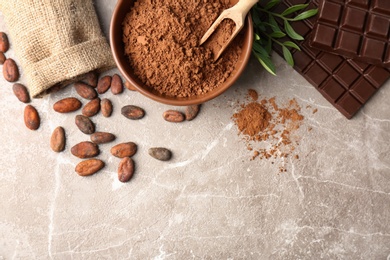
(269, 129)
(162, 43)
(253, 94)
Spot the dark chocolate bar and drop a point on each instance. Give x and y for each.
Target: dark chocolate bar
(356, 29)
(346, 83)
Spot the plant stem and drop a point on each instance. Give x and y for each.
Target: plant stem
(273, 39)
(274, 14)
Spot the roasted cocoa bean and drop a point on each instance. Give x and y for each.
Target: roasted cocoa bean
(54, 89)
(173, 116)
(104, 84)
(160, 153)
(31, 117)
(85, 124)
(4, 43)
(21, 93)
(85, 90)
(116, 84)
(125, 169)
(10, 70)
(133, 112)
(106, 107)
(67, 105)
(130, 86)
(89, 167)
(57, 140)
(102, 137)
(2, 58)
(124, 150)
(191, 112)
(91, 78)
(85, 149)
(91, 108)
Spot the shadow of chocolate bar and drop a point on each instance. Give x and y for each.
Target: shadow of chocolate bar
(346, 83)
(356, 29)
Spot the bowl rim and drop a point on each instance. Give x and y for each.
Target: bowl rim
(177, 101)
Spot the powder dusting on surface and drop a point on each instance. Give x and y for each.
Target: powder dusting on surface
(269, 129)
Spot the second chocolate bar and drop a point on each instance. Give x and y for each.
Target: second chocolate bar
(357, 29)
(346, 83)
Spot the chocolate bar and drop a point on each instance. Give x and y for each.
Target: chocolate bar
(357, 29)
(346, 83)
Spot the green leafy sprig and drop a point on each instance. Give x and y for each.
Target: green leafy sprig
(268, 32)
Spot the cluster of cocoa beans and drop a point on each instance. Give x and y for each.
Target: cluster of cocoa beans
(89, 88)
(11, 74)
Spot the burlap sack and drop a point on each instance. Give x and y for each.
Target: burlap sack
(55, 41)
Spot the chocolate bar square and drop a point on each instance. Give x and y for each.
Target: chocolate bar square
(357, 29)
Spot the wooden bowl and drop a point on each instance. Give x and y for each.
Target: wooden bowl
(117, 47)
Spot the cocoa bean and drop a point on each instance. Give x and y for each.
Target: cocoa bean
(91, 78)
(85, 149)
(2, 58)
(10, 70)
(124, 150)
(85, 90)
(67, 105)
(173, 116)
(104, 84)
(31, 117)
(133, 112)
(21, 92)
(57, 140)
(191, 112)
(54, 89)
(85, 124)
(106, 107)
(102, 137)
(130, 86)
(4, 43)
(160, 153)
(116, 84)
(125, 169)
(89, 167)
(91, 108)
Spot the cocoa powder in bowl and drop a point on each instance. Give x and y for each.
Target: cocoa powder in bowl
(190, 76)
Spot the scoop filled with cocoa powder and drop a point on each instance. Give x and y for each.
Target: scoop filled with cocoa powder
(158, 49)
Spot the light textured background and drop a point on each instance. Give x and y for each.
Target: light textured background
(210, 201)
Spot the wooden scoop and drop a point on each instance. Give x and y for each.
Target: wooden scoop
(237, 13)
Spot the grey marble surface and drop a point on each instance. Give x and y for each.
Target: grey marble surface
(211, 201)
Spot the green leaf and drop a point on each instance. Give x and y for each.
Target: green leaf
(294, 8)
(266, 63)
(255, 17)
(277, 34)
(260, 50)
(287, 56)
(292, 45)
(257, 37)
(268, 47)
(290, 32)
(262, 27)
(271, 4)
(305, 15)
(273, 24)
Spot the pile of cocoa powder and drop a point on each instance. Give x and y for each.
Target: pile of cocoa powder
(269, 129)
(162, 43)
